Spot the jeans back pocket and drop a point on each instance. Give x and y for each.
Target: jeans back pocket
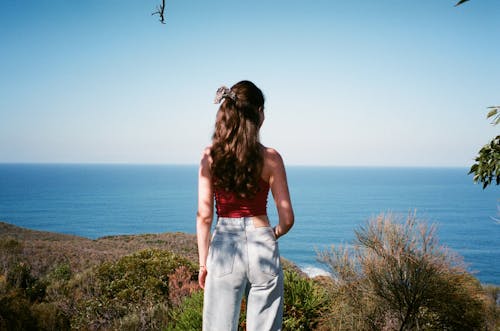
(265, 252)
(221, 257)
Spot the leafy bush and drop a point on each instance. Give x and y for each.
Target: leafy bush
(127, 293)
(397, 277)
(304, 302)
(189, 314)
(59, 282)
(20, 277)
(61, 272)
(493, 304)
(152, 317)
(21, 306)
(49, 317)
(486, 169)
(15, 312)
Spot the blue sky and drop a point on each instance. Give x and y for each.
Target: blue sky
(363, 83)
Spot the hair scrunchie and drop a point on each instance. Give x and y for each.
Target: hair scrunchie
(224, 92)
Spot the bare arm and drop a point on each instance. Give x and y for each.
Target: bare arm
(281, 194)
(204, 215)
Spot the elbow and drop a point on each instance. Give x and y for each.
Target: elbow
(290, 221)
(204, 218)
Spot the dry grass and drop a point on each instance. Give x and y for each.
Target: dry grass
(45, 250)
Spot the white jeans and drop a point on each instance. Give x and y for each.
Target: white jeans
(243, 259)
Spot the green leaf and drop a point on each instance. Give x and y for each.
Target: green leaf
(495, 113)
(492, 112)
(461, 2)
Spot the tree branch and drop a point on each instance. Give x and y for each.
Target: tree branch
(160, 11)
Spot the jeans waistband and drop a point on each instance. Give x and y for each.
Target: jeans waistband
(238, 224)
(231, 221)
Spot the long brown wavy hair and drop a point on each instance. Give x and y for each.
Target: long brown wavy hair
(236, 151)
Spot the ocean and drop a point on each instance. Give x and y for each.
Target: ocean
(94, 200)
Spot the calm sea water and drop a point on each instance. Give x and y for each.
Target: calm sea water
(99, 200)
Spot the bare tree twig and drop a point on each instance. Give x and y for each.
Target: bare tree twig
(160, 11)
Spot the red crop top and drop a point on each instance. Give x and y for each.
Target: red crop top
(228, 204)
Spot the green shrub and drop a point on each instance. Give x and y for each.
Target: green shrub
(188, 315)
(19, 276)
(493, 303)
(15, 312)
(153, 317)
(458, 303)
(486, 169)
(49, 317)
(61, 272)
(397, 277)
(126, 293)
(304, 302)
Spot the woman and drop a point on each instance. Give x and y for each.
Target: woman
(242, 258)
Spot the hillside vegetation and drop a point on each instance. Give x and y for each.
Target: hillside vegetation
(395, 277)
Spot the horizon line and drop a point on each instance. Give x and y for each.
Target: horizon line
(295, 165)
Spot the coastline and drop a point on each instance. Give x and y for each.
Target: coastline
(59, 281)
(44, 249)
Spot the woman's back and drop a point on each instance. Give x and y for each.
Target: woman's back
(242, 255)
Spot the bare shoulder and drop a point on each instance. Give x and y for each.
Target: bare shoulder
(272, 157)
(207, 150)
(273, 164)
(206, 159)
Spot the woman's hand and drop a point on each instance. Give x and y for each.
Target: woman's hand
(275, 232)
(202, 275)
